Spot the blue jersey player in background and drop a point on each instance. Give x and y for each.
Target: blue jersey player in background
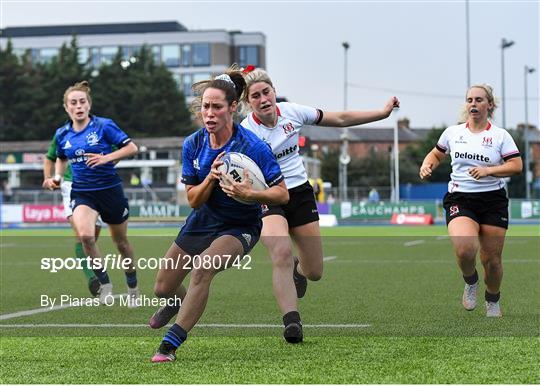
(86, 142)
(219, 226)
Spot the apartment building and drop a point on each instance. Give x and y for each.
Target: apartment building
(190, 55)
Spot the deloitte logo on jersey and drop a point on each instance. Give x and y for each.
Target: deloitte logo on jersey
(285, 152)
(472, 156)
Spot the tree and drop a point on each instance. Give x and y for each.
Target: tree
(14, 107)
(330, 167)
(61, 72)
(142, 97)
(516, 186)
(412, 157)
(373, 170)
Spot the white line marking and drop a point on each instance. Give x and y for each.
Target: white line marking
(328, 258)
(44, 309)
(414, 242)
(208, 325)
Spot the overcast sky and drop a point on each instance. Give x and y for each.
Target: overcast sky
(415, 50)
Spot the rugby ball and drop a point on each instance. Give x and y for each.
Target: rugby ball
(234, 165)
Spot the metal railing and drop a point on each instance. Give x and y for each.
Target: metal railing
(135, 195)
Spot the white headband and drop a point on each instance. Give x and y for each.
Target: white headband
(225, 77)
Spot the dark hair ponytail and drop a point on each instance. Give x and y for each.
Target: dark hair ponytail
(231, 82)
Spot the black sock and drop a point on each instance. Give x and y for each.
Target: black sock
(473, 279)
(102, 276)
(175, 336)
(131, 279)
(291, 317)
(493, 298)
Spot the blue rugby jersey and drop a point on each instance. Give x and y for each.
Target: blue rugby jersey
(98, 137)
(197, 159)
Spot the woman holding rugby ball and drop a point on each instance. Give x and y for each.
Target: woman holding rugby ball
(219, 226)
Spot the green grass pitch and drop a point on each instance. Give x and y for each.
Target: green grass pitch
(387, 310)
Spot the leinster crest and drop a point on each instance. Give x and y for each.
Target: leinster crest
(92, 138)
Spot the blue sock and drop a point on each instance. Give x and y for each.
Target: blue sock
(175, 336)
(131, 279)
(102, 276)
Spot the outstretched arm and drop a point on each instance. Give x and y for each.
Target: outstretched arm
(352, 118)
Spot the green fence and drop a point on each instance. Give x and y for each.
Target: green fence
(384, 210)
(519, 209)
(524, 209)
(159, 211)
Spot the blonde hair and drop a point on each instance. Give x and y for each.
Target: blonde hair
(232, 87)
(83, 86)
(489, 95)
(255, 76)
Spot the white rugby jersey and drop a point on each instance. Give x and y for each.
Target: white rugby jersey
(490, 147)
(283, 138)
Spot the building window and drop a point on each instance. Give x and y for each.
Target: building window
(186, 84)
(201, 54)
(135, 50)
(170, 55)
(83, 56)
(200, 76)
(34, 55)
(126, 52)
(178, 79)
(156, 54)
(189, 79)
(108, 54)
(186, 55)
(47, 54)
(248, 55)
(95, 57)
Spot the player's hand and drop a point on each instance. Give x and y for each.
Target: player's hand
(215, 174)
(94, 159)
(425, 171)
(51, 183)
(478, 172)
(391, 104)
(241, 190)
